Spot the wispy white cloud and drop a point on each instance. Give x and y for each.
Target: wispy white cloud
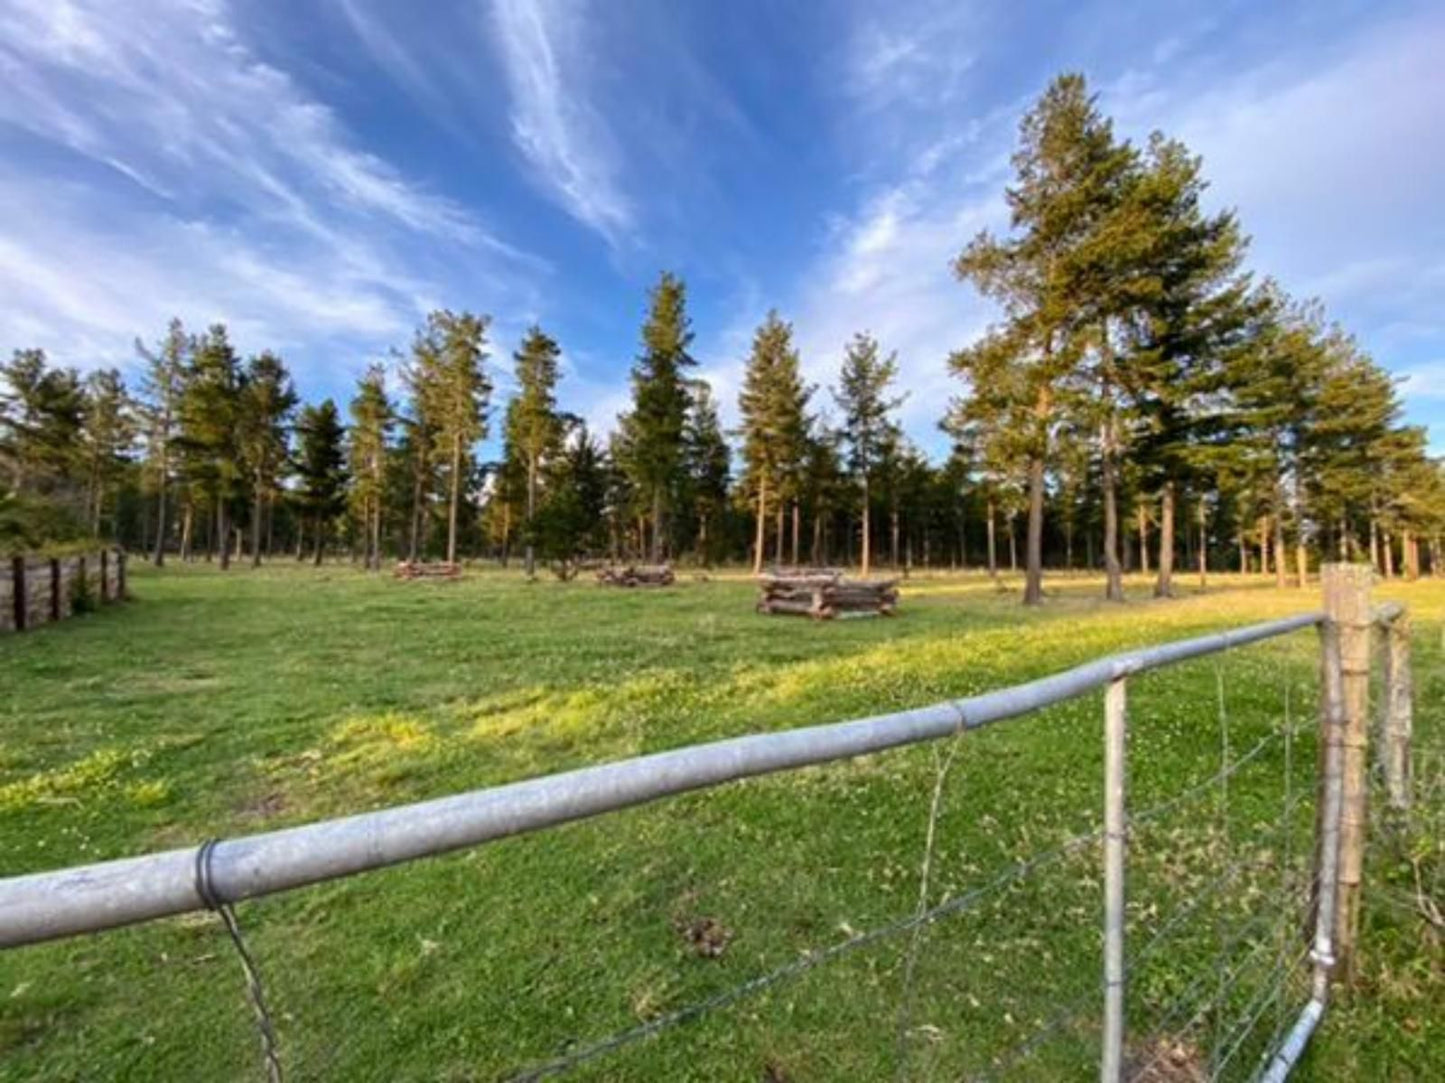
(249, 200)
(1334, 155)
(565, 139)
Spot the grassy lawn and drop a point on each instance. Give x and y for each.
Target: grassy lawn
(215, 706)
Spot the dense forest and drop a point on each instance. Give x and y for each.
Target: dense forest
(1142, 403)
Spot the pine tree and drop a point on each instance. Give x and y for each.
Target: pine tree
(570, 521)
(707, 466)
(367, 446)
(106, 437)
(533, 427)
(321, 469)
(1190, 303)
(210, 414)
(267, 401)
(772, 403)
(42, 414)
(1069, 177)
(653, 431)
(868, 425)
(163, 390)
(453, 392)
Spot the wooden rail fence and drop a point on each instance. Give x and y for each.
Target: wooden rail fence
(37, 589)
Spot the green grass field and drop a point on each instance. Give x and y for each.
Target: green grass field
(216, 706)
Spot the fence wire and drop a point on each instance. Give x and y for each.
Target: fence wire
(1219, 897)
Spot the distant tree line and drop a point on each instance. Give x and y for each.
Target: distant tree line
(1142, 403)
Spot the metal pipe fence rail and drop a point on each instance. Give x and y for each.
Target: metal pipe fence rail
(86, 899)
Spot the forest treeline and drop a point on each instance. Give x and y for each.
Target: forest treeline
(1143, 402)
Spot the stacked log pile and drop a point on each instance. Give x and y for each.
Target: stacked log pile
(636, 575)
(415, 569)
(826, 595)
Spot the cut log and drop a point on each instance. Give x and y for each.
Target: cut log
(412, 569)
(825, 595)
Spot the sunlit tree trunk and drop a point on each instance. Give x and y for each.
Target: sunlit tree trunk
(1164, 584)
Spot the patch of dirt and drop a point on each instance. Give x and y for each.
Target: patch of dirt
(263, 807)
(1166, 1060)
(774, 1072)
(707, 937)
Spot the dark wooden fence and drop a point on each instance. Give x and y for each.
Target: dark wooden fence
(35, 589)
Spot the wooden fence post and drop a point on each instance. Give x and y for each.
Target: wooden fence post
(20, 592)
(1399, 711)
(55, 610)
(1347, 609)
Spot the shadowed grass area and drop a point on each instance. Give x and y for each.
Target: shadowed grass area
(224, 705)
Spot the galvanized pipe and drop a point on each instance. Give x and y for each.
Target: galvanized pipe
(1283, 1062)
(47, 905)
(1322, 953)
(1111, 1067)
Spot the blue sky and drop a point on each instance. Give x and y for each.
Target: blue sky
(319, 175)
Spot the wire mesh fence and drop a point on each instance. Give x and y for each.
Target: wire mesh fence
(785, 928)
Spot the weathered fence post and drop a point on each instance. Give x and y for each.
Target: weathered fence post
(1347, 611)
(1399, 710)
(56, 612)
(1111, 1066)
(20, 593)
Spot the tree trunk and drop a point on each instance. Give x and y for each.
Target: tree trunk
(780, 541)
(657, 531)
(702, 554)
(1387, 550)
(376, 535)
(1374, 543)
(413, 546)
(867, 528)
(188, 520)
(1013, 551)
(1164, 584)
(320, 540)
(1301, 563)
(158, 558)
(530, 560)
(760, 539)
(1203, 545)
(893, 533)
(797, 521)
(1141, 517)
(1113, 573)
(817, 554)
(1279, 551)
(454, 502)
(992, 543)
(1034, 543)
(257, 499)
(1069, 545)
(223, 532)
